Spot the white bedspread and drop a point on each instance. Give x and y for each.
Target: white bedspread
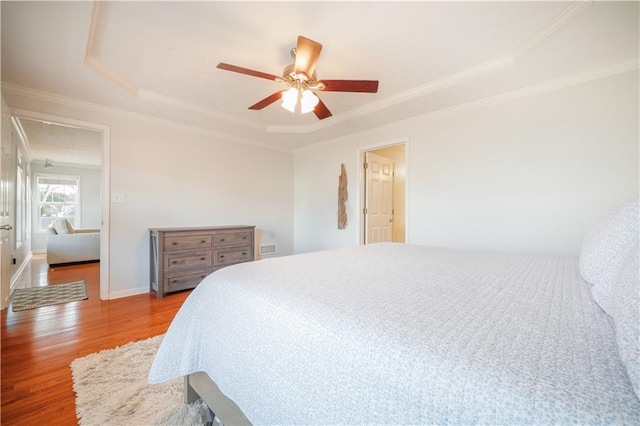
(403, 334)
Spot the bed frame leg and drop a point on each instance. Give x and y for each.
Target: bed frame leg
(217, 408)
(190, 395)
(207, 416)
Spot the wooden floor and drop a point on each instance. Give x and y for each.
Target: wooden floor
(39, 344)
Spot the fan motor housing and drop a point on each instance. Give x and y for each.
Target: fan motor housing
(290, 76)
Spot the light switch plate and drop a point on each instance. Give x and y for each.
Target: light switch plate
(118, 198)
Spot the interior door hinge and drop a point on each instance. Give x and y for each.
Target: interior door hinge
(364, 211)
(365, 166)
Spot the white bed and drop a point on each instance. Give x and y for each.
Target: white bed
(405, 334)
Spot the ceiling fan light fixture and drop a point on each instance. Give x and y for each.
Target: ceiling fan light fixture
(302, 78)
(290, 99)
(308, 101)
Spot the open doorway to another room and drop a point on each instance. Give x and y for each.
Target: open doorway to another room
(383, 188)
(69, 163)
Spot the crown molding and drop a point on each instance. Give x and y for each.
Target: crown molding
(452, 80)
(559, 83)
(89, 106)
(572, 80)
(177, 103)
(402, 97)
(95, 63)
(502, 63)
(558, 22)
(507, 61)
(24, 140)
(92, 60)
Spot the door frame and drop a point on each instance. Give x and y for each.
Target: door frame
(104, 182)
(5, 218)
(360, 188)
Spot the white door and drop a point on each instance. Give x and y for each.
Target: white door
(378, 214)
(5, 219)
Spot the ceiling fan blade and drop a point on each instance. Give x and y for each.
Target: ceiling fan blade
(246, 71)
(368, 86)
(321, 111)
(267, 101)
(307, 54)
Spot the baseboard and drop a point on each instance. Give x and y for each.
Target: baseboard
(21, 269)
(41, 251)
(127, 293)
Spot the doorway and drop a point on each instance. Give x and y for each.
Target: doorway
(101, 217)
(383, 193)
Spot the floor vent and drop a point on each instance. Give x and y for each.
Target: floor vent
(267, 249)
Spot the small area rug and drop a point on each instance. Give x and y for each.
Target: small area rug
(35, 297)
(111, 389)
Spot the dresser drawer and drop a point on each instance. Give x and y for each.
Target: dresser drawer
(224, 239)
(187, 242)
(231, 255)
(179, 261)
(183, 281)
(181, 257)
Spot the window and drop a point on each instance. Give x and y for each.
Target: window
(59, 196)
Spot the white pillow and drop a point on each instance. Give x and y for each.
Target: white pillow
(62, 226)
(625, 311)
(604, 246)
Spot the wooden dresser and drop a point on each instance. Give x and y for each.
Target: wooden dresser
(182, 257)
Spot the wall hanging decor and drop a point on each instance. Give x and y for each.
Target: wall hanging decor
(342, 197)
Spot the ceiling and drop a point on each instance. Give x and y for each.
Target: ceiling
(62, 145)
(159, 59)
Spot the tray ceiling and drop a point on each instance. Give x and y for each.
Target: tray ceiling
(159, 58)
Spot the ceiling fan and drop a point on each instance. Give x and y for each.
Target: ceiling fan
(302, 81)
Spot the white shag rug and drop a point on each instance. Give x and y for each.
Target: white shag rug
(111, 389)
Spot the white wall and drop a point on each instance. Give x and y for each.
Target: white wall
(90, 199)
(176, 177)
(530, 175)
(171, 178)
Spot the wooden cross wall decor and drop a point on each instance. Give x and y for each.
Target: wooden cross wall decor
(342, 197)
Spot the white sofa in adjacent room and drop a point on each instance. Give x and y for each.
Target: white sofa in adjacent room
(67, 245)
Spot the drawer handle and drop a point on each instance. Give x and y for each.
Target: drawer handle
(174, 262)
(221, 256)
(244, 238)
(175, 243)
(244, 252)
(221, 239)
(202, 276)
(202, 242)
(202, 258)
(174, 281)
